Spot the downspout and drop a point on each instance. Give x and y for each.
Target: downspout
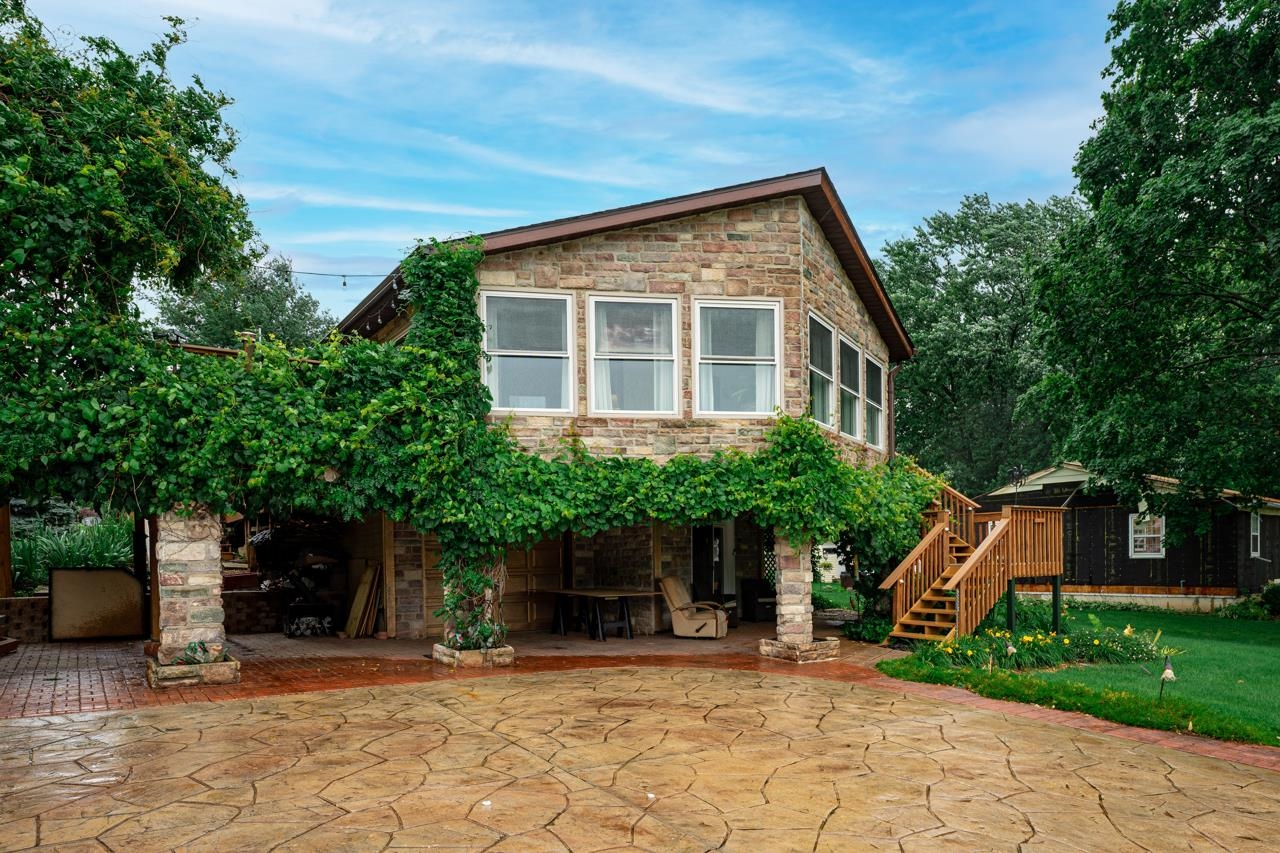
(892, 443)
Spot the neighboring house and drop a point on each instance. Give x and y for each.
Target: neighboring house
(671, 327)
(1110, 547)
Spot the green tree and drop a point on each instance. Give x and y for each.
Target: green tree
(110, 173)
(962, 283)
(1162, 312)
(266, 298)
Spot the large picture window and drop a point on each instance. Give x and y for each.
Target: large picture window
(875, 403)
(737, 357)
(633, 356)
(850, 388)
(1146, 536)
(822, 371)
(528, 339)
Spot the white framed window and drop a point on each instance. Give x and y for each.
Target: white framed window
(736, 357)
(632, 346)
(1146, 536)
(822, 371)
(527, 337)
(875, 402)
(850, 388)
(1255, 534)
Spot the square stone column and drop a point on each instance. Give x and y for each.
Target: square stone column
(188, 554)
(794, 585)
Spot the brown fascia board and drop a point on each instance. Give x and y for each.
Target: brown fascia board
(814, 186)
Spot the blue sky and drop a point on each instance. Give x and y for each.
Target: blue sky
(364, 125)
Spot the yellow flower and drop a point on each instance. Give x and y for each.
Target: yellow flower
(1026, 638)
(1066, 641)
(1097, 642)
(969, 653)
(1128, 630)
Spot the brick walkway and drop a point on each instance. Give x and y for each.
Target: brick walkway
(74, 678)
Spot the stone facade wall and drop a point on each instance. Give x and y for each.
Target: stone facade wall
(411, 622)
(621, 558)
(253, 611)
(750, 252)
(188, 550)
(828, 293)
(26, 618)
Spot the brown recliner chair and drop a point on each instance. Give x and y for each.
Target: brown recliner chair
(692, 618)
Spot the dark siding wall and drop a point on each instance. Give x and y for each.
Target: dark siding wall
(1256, 571)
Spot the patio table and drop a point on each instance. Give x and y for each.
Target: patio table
(596, 626)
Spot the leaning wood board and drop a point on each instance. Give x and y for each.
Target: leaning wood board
(360, 603)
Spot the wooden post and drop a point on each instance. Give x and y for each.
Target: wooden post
(6, 554)
(1057, 604)
(389, 574)
(1010, 606)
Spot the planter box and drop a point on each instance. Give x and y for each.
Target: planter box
(191, 674)
(501, 656)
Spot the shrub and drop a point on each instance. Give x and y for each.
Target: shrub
(868, 629)
(1271, 598)
(1032, 649)
(107, 544)
(1249, 608)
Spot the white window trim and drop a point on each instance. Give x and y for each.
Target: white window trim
(570, 315)
(1150, 555)
(674, 411)
(772, 304)
(867, 404)
(1255, 534)
(835, 388)
(840, 387)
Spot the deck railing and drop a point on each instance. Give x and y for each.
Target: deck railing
(1025, 542)
(915, 574)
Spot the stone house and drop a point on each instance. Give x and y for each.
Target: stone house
(670, 327)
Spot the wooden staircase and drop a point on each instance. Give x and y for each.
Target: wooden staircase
(946, 585)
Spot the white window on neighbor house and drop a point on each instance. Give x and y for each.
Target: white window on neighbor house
(850, 388)
(1146, 536)
(528, 339)
(1255, 535)
(736, 357)
(822, 371)
(875, 402)
(633, 356)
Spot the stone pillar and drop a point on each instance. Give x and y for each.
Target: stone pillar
(188, 551)
(794, 585)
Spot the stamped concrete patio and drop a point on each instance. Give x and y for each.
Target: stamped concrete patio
(654, 758)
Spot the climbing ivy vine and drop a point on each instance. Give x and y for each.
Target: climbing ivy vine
(96, 409)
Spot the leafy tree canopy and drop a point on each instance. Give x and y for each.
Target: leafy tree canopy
(962, 284)
(109, 172)
(1162, 312)
(266, 299)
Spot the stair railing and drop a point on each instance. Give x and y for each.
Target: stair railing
(915, 574)
(1025, 542)
(961, 509)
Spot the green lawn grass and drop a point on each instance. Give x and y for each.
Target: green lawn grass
(833, 592)
(1230, 666)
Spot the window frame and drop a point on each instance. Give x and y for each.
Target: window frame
(867, 404)
(1146, 555)
(835, 365)
(841, 387)
(773, 305)
(570, 341)
(1255, 534)
(674, 358)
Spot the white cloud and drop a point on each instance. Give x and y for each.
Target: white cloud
(256, 191)
(1039, 134)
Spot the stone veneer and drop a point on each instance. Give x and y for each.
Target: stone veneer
(27, 618)
(622, 558)
(188, 550)
(795, 640)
